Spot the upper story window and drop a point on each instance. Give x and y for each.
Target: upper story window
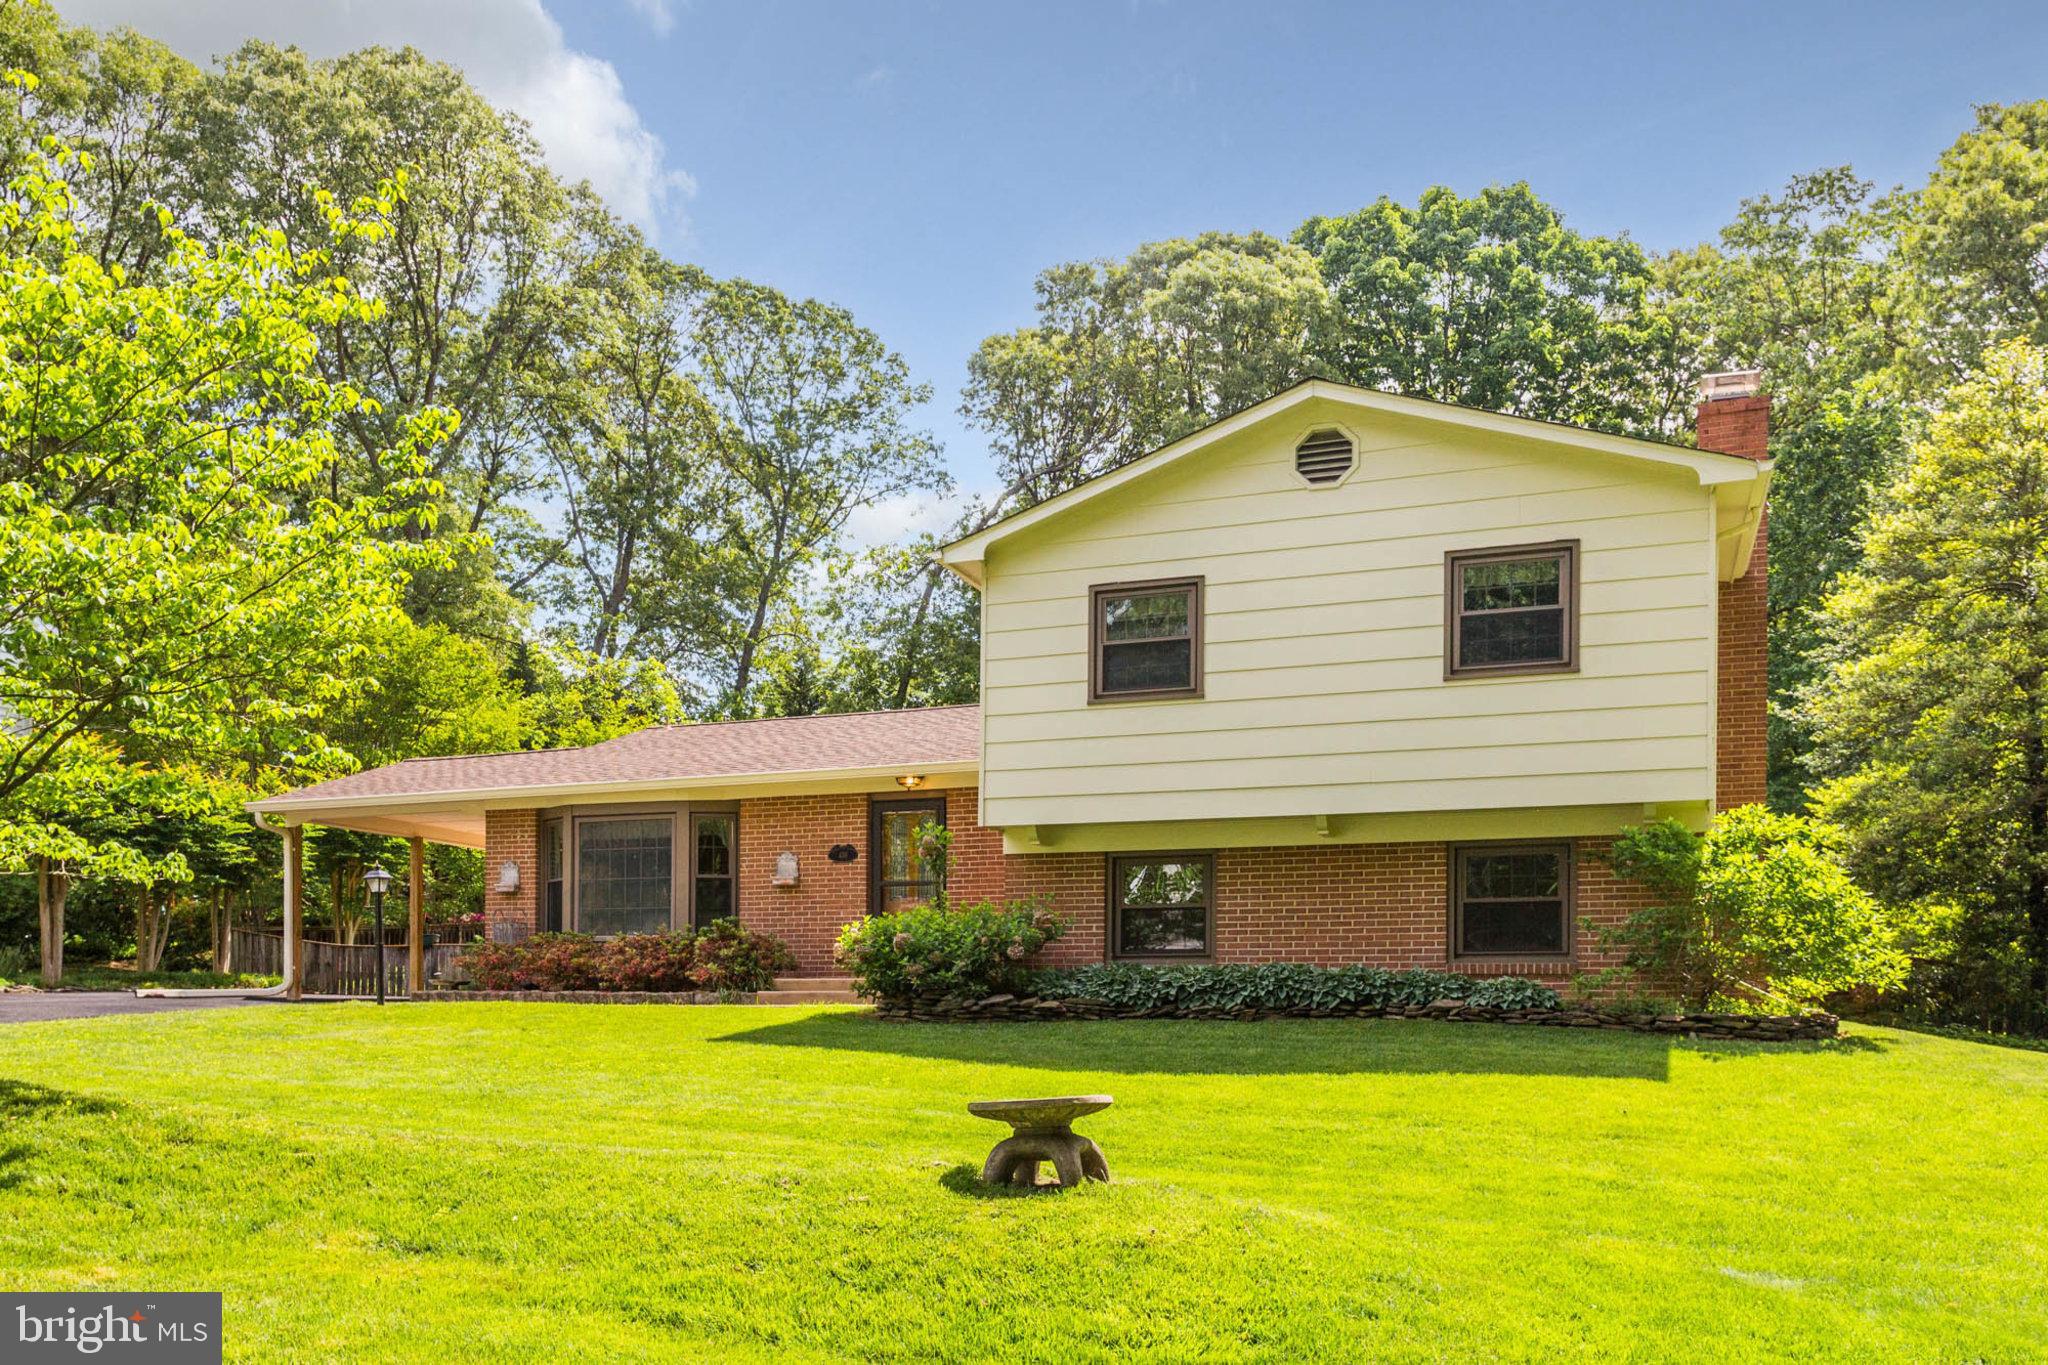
(1511, 610)
(1145, 640)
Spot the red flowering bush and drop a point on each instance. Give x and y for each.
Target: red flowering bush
(648, 962)
(725, 957)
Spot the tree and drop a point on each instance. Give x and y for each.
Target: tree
(1759, 908)
(1129, 355)
(170, 575)
(88, 815)
(1974, 248)
(573, 698)
(1492, 302)
(809, 422)
(468, 274)
(1931, 718)
(626, 430)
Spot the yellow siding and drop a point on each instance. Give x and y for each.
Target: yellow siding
(1324, 692)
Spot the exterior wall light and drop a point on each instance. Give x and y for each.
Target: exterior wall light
(910, 781)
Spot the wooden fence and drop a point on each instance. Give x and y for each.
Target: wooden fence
(339, 968)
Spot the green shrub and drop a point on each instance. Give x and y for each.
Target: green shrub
(731, 957)
(724, 957)
(970, 951)
(1759, 910)
(1282, 986)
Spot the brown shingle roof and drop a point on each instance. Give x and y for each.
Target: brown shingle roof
(909, 740)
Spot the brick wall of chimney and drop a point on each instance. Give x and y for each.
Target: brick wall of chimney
(1741, 426)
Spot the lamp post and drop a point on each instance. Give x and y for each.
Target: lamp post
(379, 881)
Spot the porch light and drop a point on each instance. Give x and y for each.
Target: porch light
(377, 880)
(910, 781)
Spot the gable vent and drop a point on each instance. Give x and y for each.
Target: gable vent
(1323, 457)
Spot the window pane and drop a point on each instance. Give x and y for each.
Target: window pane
(903, 895)
(714, 845)
(1517, 637)
(1146, 616)
(1523, 874)
(1163, 882)
(1513, 583)
(624, 875)
(1143, 667)
(551, 855)
(1513, 927)
(714, 899)
(899, 845)
(1143, 931)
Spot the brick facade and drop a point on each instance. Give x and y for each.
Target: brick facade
(1741, 426)
(1328, 904)
(511, 836)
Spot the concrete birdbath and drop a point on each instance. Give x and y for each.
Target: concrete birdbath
(1042, 1131)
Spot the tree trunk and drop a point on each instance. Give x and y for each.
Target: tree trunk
(2034, 759)
(221, 923)
(146, 916)
(52, 885)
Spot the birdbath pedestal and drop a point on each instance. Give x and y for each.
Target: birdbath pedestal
(1042, 1131)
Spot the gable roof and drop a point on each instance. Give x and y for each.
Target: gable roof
(1739, 480)
(739, 752)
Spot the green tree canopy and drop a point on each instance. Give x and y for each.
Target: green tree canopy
(1931, 718)
(171, 574)
(1494, 303)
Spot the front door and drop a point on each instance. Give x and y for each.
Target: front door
(898, 878)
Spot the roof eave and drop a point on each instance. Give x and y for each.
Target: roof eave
(551, 793)
(966, 557)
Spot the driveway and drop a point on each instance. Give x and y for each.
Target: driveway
(23, 1007)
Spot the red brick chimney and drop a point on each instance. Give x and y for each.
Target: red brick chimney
(1735, 418)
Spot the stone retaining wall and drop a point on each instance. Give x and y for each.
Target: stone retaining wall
(1762, 1028)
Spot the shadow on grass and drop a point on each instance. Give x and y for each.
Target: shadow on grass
(966, 1180)
(1724, 1050)
(22, 1100)
(1272, 1047)
(26, 1099)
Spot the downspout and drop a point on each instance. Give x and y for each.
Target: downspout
(276, 992)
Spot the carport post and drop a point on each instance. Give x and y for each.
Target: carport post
(416, 921)
(294, 908)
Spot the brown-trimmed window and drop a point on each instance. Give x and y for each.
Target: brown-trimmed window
(714, 837)
(1162, 904)
(1511, 900)
(898, 875)
(625, 874)
(1145, 640)
(1511, 610)
(552, 903)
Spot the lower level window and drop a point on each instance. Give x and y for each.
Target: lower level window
(625, 874)
(1511, 900)
(1161, 905)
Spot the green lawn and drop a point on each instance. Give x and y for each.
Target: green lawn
(123, 976)
(504, 1182)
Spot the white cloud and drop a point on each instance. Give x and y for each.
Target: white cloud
(657, 13)
(891, 521)
(512, 50)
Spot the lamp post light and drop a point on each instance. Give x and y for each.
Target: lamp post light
(379, 881)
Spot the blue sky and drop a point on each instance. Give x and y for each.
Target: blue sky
(921, 162)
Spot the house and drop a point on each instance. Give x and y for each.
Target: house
(1343, 677)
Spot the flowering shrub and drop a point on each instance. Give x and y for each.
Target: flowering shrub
(647, 962)
(970, 951)
(724, 957)
(1283, 985)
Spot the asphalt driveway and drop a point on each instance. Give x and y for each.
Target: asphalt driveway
(24, 1007)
